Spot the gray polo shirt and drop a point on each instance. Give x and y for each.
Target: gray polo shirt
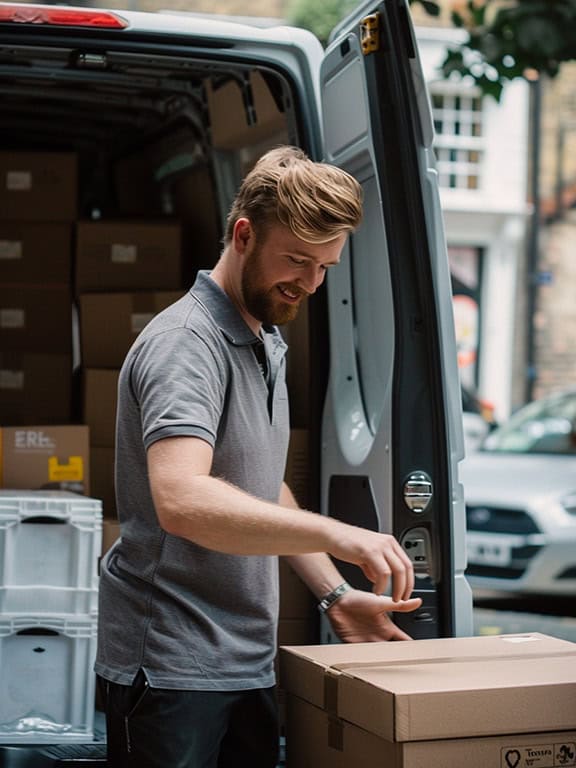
(193, 618)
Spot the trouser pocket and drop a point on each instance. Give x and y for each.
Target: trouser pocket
(121, 703)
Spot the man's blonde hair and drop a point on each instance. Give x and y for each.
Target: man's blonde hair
(317, 201)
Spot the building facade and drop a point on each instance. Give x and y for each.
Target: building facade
(482, 159)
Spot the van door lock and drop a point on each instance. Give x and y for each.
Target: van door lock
(418, 491)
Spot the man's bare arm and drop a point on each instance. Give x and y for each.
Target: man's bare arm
(208, 511)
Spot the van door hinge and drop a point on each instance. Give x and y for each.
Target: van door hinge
(370, 33)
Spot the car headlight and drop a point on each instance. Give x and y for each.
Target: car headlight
(569, 503)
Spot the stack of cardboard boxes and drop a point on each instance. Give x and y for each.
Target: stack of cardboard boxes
(126, 272)
(74, 293)
(37, 214)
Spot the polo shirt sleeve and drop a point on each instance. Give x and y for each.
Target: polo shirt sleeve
(179, 385)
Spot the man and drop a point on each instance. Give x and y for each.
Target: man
(189, 595)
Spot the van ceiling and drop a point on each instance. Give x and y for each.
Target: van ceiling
(90, 100)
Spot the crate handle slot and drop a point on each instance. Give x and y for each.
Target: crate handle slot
(44, 520)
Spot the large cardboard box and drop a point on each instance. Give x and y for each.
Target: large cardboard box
(110, 323)
(507, 701)
(35, 388)
(45, 457)
(35, 252)
(256, 113)
(36, 318)
(100, 397)
(38, 186)
(128, 256)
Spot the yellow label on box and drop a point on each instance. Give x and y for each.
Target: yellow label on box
(73, 470)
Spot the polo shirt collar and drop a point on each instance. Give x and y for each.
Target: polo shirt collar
(223, 311)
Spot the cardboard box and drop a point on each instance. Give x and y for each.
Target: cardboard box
(298, 475)
(35, 388)
(110, 323)
(313, 740)
(431, 703)
(35, 318)
(128, 256)
(297, 336)
(110, 532)
(292, 632)
(45, 457)
(233, 123)
(296, 600)
(138, 193)
(38, 186)
(35, 252)
(102, 478)
(297, 632)
(100, 397)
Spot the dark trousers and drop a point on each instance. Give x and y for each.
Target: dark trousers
(160, 728)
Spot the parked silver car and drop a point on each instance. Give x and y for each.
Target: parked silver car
(520, 491)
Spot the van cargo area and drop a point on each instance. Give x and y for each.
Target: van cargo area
(140, 136)
(120, 152)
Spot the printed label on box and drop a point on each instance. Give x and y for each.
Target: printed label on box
(11, 379)
(123, 254)
(139, 320)
(73, 470)
(19, 181)
(12, 318)
(10, 250)
(32, 439)
(539, 756)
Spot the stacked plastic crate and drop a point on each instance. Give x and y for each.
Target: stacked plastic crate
(50, 543)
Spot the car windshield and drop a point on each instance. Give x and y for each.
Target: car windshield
(544, 426)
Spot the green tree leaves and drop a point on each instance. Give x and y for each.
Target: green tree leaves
(319, 17)
(511, 38)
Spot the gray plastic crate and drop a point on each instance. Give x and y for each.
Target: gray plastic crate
(48, 682)
(50, 543)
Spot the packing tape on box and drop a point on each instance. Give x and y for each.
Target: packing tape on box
(333, 674)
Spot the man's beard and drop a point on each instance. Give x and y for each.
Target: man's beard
(265, 304)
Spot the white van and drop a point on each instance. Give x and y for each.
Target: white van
(164, 113)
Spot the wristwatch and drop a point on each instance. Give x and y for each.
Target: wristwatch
(329, 599)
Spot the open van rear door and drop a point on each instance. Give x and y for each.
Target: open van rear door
(392, 434)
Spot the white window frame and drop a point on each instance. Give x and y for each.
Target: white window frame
(456, 170)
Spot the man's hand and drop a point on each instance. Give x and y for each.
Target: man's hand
(381, 558)
(363, 617)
